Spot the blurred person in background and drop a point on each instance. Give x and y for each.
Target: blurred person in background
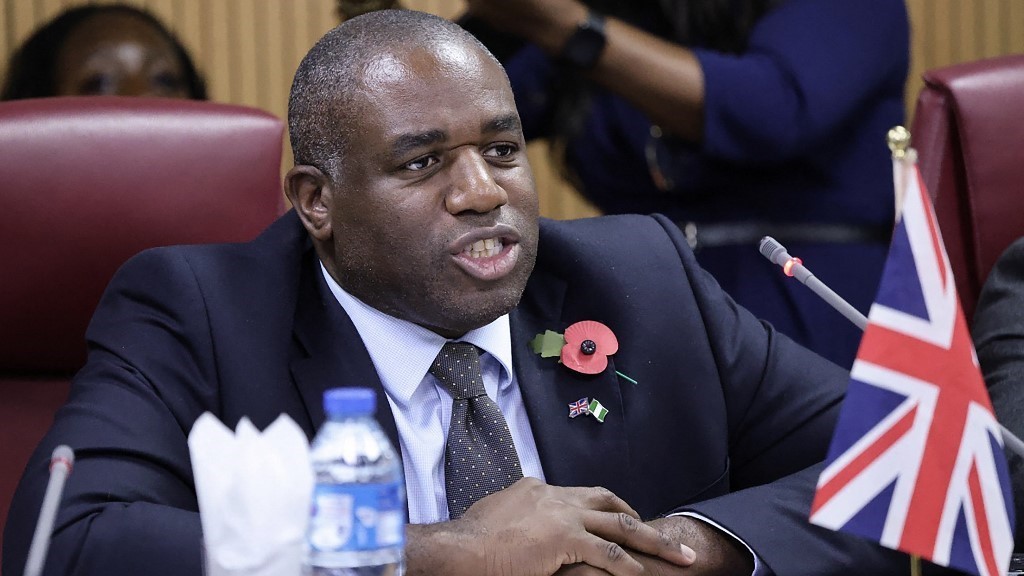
(737, 119)
(348, 9)
(998, 332)
(111, 49)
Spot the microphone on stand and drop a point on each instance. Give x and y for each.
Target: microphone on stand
(794, 267)
(775, 252)
(61, 462)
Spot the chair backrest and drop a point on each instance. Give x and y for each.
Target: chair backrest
(968, 130)
(85, 183)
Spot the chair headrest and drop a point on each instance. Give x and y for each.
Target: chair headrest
(87, 182)
(968, 128)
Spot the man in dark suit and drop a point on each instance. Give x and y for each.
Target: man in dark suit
(415, 216)
(998, 332)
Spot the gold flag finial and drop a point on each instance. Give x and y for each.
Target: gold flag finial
(898, 139)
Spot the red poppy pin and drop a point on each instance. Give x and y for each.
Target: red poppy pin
(585, 347)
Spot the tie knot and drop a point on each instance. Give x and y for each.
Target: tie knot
(457, 368)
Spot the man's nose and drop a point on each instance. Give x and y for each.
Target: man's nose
(473, 186)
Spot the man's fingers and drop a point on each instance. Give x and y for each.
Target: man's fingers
(610, 518)
(607, 556)
(601, 499)
(634, 534)
(585, 531)
(580, 570)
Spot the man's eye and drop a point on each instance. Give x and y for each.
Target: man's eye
(421, 163)
(501, 150)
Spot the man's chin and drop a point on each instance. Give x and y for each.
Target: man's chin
(455, 320)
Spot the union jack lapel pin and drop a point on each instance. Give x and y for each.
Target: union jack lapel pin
(579, 407)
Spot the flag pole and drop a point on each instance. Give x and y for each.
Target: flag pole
(898, 140)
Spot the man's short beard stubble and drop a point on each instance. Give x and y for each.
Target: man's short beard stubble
(434, 304)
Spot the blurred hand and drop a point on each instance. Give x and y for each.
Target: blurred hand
(534, 529)
(348, 9)
(547, 23)
(661, 77)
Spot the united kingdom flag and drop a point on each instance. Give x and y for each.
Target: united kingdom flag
(579, 407)
(916, 462)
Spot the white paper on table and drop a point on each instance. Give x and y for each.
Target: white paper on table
(254, 492)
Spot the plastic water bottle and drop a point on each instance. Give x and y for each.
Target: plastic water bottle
(357, 523)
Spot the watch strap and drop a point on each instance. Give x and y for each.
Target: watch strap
(587, 42)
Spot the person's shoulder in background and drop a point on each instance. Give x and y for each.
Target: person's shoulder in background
(998, 325)
(998, 332)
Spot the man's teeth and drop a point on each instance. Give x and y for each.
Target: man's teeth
(484, 248)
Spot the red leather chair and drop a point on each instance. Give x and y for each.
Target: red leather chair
(85, 183)
(968, 130)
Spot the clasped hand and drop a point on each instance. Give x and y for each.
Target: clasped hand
(534, 529)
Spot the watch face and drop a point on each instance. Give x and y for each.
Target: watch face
(585, 45)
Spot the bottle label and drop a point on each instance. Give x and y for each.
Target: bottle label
(356, 517)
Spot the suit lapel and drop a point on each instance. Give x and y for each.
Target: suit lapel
(332, 355)
(574, 451)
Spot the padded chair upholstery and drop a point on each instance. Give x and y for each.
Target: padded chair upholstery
(968, 130)
(85, 183)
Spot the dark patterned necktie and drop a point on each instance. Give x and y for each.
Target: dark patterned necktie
(479, 457)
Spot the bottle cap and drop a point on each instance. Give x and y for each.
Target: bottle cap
(342, 401)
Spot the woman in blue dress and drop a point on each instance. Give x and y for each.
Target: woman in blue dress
(736, 118)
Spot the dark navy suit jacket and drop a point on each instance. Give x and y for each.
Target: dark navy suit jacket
(722, 409)
(999, 338)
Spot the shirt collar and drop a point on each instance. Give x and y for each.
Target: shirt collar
(402, 352)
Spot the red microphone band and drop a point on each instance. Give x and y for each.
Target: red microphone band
(67, 462)
(788, 266)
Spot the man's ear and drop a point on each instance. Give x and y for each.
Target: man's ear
(310, 193)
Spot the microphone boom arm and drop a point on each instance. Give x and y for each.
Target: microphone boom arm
(60, 466)
(775, 252)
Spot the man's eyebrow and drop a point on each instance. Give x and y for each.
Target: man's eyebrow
(406, 143)
(507, 123)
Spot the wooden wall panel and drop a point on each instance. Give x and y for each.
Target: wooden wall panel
(950, 31)
(1014, 34)
(21, 19)
(272, 62)
(248, 50)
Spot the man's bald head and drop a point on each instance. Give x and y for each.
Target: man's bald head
(322, 99)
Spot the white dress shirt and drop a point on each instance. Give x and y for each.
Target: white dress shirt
(421, 405)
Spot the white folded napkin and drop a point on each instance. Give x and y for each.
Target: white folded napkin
(254, 494)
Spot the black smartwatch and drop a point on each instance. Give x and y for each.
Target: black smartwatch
(585, 45)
